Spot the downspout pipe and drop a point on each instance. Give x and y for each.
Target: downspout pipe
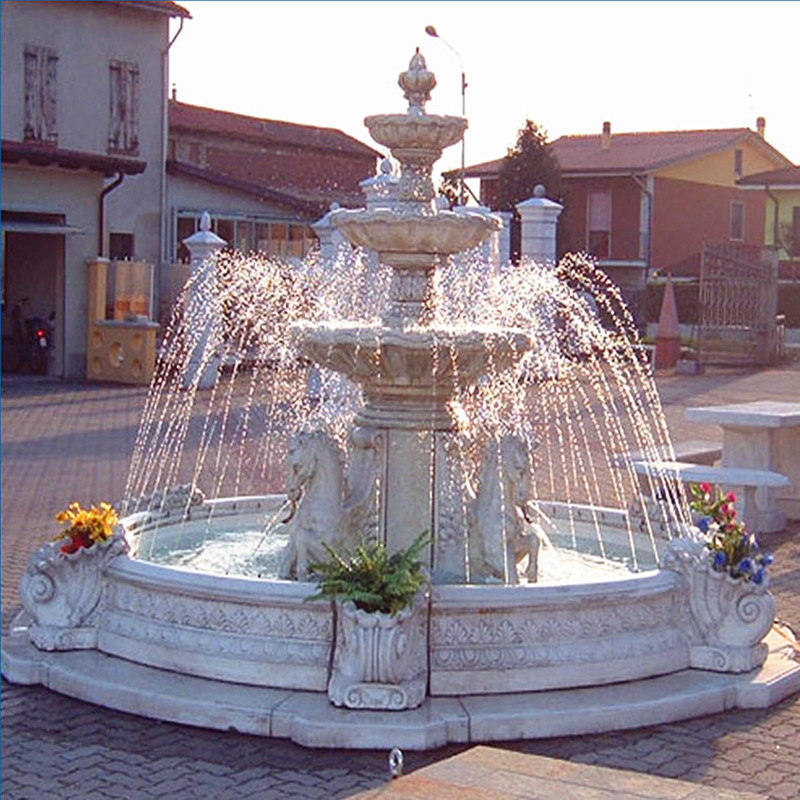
(776, 221)
(643, 187)
(101, 239)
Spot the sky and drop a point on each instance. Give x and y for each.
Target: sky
(568, 66)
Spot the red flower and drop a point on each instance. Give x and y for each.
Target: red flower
(731, 497)
(705, 488)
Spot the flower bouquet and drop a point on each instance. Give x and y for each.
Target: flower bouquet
(732, 548)
(86, 526)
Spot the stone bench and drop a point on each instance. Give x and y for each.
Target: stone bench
(696, 451)
(744, 478)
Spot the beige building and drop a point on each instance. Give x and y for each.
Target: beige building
(84, 140)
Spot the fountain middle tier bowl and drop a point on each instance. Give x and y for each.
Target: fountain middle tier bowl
(431, 360)
(418, 131)
(395, 231)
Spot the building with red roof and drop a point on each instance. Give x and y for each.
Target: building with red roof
(264, 181)
(647, 201)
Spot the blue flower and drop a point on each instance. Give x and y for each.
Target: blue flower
(759, 576)
(767, 559)
(702, 524)
(719, 560)
(745, 566)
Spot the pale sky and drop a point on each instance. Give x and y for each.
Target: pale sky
(567, 65)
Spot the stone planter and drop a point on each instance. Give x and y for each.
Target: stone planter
(61, 592)
(380, 661)
(730, 616)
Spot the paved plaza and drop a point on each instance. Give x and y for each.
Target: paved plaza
(63, 442)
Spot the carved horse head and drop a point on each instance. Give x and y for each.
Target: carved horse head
(313, 461)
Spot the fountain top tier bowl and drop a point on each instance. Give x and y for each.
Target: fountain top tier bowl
(411, 224)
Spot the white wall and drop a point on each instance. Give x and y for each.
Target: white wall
(86, 37)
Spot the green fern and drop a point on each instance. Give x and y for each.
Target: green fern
(370, 577)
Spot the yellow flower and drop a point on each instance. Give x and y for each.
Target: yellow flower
(87, 526)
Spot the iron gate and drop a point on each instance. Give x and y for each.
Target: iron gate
(738, 304)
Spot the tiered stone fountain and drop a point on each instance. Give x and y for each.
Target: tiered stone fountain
(499, 660)
(409, 372)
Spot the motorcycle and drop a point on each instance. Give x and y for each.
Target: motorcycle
(27, 343)
(39, 335)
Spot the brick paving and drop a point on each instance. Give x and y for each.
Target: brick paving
(61, 440)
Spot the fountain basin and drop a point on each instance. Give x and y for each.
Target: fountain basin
(483, 639)
(507, 662)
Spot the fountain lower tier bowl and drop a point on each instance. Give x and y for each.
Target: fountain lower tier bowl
(390, 231)
(254, 655)
(414, 362)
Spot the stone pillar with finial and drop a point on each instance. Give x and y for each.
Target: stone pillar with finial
(201, 324)
(330, 239)
(539, 217)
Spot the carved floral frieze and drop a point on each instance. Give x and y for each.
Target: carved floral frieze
(528, 637)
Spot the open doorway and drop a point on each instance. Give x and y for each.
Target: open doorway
(32, 301)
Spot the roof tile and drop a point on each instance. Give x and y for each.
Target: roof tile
(634, 152)
(183, 116)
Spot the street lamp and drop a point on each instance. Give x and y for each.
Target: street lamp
(431, 31)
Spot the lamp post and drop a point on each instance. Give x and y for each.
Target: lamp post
(431, 31)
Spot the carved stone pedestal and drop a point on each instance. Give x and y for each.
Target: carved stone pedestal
(380, 661)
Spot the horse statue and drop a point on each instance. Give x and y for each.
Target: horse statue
(327, 507)
(314, 487)
(501, 530)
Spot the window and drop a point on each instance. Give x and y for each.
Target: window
(737, 221)
(794, 244)
(120, 245)
(246, 233)
(599, 228)
(242, 240)
(40, 95)
(737, 163)
(186, 227)
(224, 229)
(123, 131)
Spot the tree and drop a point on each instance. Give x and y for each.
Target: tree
(528, 163)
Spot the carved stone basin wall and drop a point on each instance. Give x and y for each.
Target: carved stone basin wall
(483, 639)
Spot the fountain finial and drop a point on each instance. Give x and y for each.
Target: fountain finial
(417, 82)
